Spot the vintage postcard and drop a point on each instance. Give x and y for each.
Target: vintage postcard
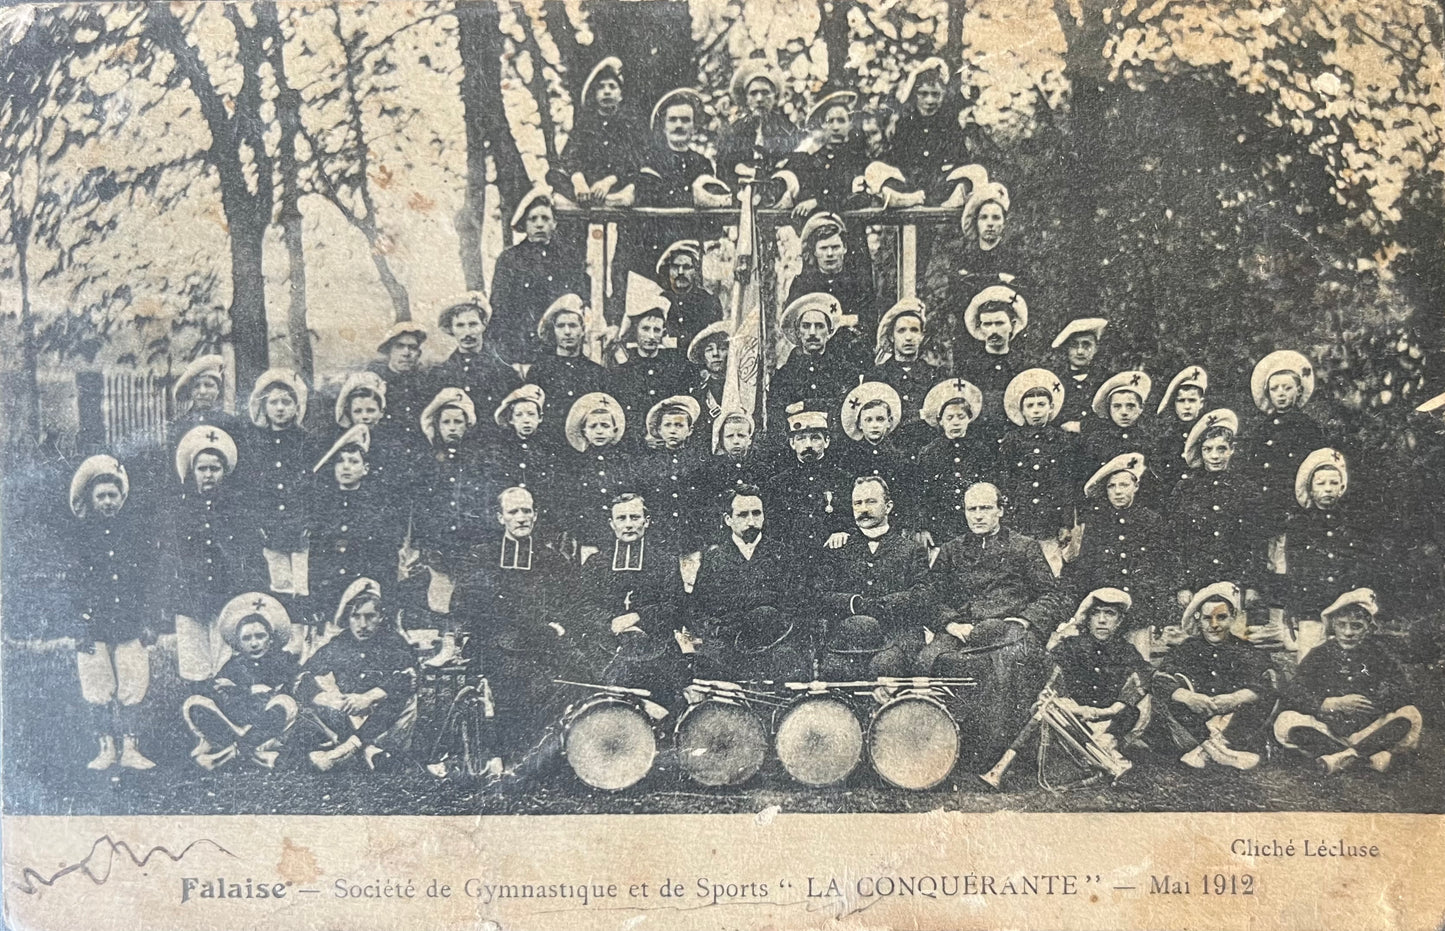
(704, 464)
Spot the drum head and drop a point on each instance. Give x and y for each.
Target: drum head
(913, 742)
(609, 744)
(721, 743)
(820, 741)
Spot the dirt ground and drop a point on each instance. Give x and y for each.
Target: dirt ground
(47, 742)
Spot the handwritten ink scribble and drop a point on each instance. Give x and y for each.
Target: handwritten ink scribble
(110, 847)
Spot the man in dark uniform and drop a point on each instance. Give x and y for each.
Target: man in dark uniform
(474, 365)
(1350, 701)
(565, 374)
(759, 137)
(674, 174)
(530, 277)
(749, 601)
(994, 318)
(1214, 693)
(692, 307)
(369, 672)
(1079, 341)
(629, 608)
(834, 267)
(409, 387)
(815, 369)
(898, 354)
(871, 588)
(810, 494)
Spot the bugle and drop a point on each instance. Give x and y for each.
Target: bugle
(994, 776)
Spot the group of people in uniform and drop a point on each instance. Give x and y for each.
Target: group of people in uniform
(914, 500)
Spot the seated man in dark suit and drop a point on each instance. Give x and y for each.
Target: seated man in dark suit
(748, 601)
(871, 592)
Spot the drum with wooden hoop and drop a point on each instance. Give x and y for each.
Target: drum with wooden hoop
(819, 739)
(721, 742)
(913, 741)
(609, 742)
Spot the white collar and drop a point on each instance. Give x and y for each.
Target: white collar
(874, 533)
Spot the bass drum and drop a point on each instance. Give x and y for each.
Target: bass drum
(609, 742)
(819, 740)
(913, 741)
(721, 742)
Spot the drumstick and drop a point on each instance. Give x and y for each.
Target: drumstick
(621, 689)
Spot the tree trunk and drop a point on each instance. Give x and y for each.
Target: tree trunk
(400, 299)
(249, 332)
(28, 423)
(288, 114)
(835, 37)
(488, 132)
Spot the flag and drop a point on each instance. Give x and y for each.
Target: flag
(746, 381)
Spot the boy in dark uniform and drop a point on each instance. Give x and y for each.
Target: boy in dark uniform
(1281, 384)
(899, 363)
(671, 471)
(276, 474)
(530, 277)
(955, 460)
(516, 458)
(1350, 700)
(111, 561)
(359, 690)
(1104, 679)
(1079, 340)
(1184, 401)
(1118, 425)
(565, 373)
(1214, 693)
(250, 710)
(1040, 460)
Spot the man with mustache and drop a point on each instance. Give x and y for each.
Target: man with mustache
(748, 600)
(474, 365)
(994, 318)
(871, 593)
(811, 491)
(675, 174)
(692, 306)
(814, 371)
(409, 387)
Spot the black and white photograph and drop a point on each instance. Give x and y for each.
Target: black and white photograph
(525, 407)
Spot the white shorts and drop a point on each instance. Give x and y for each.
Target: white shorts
(200, 649)
(121, 672)
(439, 592)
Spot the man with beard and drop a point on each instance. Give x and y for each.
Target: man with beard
(1080, 343)
(691, 307)
(532, 276)
(899, 363)
(810, 493)
(872, 593)
(566, 374)
(1213, 693)
(473, 367)
(815, 369)
(408, 386)
(994, 596)
(630, 598)
(708, 352)
(1350, 701)
(758, 138)
(748, 601)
